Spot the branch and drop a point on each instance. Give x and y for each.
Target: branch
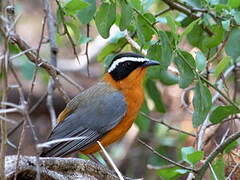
(167, 125)
(67, 31)
(165, 158)
(188, 11)
(214, 98)
(32, 56)
(57, 168)
(214, 153)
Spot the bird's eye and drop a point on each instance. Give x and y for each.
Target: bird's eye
(128, 64)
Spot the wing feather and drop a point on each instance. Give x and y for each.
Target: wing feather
(92, 118)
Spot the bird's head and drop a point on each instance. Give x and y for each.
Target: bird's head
(124, 64)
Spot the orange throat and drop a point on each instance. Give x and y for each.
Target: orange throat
(132, 89)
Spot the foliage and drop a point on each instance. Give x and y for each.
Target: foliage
(210, 27)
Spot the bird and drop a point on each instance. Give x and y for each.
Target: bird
(105, 111)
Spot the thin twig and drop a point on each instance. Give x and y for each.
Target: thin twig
(25, 113)
(187, 11)
(86, 49)
(50, 104)
(200, 141)
(201, 171)
(32, 56)
(111, 161)
(53, 51)
(167, 125)
(33, 108)
(37, 67)
(233, 171)
(4, 84)
(67, 31)
(8, 120)
(165, 158)
(5, 111)
(163, 11)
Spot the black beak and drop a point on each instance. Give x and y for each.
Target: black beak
(150, 63)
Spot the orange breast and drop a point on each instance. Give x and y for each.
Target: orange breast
(132, 89)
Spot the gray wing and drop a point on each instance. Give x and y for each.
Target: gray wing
(94, 118)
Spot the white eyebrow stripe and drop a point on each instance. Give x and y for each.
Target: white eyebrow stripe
(134, 59)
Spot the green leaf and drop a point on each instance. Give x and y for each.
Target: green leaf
(234, 3)
(196, 36)
(144, 30)
(189, 28)
(126, 15)
(186, 72)
(155, 95)
(195, 157)
(166, 50)
(142, 122)
(111, 48)
(202, 102)
(74, 29)
(86, 15)
(173, 26)
(161, 52)
(222, 112)
(216, 39)
(167, 78)
(107, 60)
(191, 156)
(232, 45)
(169, 173)
(219, 169)
(105, 17)
(186, 151)
(222, 65)
(200, 61)
(230, 147)
(137, 4)
(13, 48)
(73, 6)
